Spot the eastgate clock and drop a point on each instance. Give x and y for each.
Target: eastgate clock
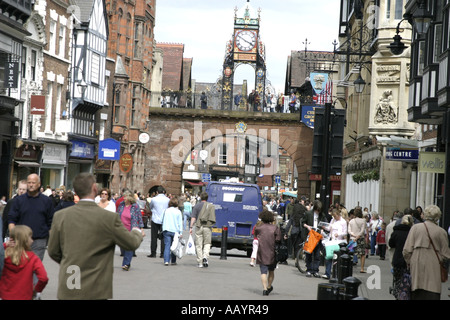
(246, 40)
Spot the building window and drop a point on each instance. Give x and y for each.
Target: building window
(398, 9)
(95, 68)
(62, 41)
(52, 42)
(421, 58)
(437, 42)
(388, 9)
(33, 64)
(24, 62)
(222, 160)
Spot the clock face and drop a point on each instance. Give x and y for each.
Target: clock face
(245, 40)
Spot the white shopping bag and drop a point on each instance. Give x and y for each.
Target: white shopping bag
(174, 245)
(190, 247)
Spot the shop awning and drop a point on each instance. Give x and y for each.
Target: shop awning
(28, 164)
(194, 183)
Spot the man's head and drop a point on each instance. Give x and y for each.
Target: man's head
(85, 186)
(22, 187)
(33, 183)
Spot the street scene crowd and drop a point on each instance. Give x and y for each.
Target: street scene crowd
(80, 229)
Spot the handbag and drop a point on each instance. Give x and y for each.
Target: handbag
(281, 252)
(444, 272)
(311, 241)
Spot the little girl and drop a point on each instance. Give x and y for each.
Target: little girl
(16, 282)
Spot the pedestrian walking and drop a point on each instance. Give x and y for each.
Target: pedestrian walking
(255, 244)
(158, 205)
(67, 200)
(16, 282)
(105, 200)
(82, 242)
(172, 226)
(35, 210)
(425, 247)
(187, 211)
(357, 230)
(203, 218)
(338, 231)
(381, 241)
(374, 226)
(131, 217)
(309, 221)
(21, 189)
(396, 242)
(268, 234)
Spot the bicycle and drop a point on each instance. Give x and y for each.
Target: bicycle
(300, 259)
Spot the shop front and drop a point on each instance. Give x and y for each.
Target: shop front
(53, 167)
(27, 158)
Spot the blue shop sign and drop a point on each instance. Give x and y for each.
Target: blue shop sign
(109, 149)
(399, 154)
(82, 150)
(308, 115)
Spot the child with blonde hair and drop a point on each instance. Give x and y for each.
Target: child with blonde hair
(16, 282)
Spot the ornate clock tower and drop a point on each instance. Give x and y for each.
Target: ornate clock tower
(244, 48)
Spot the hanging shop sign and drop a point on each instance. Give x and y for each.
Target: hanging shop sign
(126, 162)
(109, 149)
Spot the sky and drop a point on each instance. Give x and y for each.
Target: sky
(205, 27)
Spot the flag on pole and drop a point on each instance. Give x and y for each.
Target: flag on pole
(326, 95)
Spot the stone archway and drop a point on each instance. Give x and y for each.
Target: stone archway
(174, 132)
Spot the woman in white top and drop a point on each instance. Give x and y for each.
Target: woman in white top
(375, 226)
(105, 200)
(356, 230)
(338, 231)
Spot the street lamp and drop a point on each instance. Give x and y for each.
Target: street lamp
(397, 47)
(359, 84)
(422, 18)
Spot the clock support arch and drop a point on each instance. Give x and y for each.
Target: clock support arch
(244, 48)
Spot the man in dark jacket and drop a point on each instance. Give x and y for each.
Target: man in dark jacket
(309, 221)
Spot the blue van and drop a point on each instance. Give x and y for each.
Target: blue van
(237, 207)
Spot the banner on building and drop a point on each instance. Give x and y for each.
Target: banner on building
(109, 149)
(400, 154)
(11, 75)
(433, 162)
(37, 105)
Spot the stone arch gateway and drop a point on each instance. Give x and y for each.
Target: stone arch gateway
(174, 132)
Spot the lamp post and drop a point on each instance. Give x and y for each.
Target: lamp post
(421, 20)
(359, 84)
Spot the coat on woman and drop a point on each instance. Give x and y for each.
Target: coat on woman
(136, 216)
(421, 257)
(267, 235)
(397, 242)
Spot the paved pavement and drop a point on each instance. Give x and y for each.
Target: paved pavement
(230, 279)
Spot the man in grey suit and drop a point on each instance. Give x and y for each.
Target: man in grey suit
(83, 239)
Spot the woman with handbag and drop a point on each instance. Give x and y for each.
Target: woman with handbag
(131, 217)
(426, 250)
(172, 225)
